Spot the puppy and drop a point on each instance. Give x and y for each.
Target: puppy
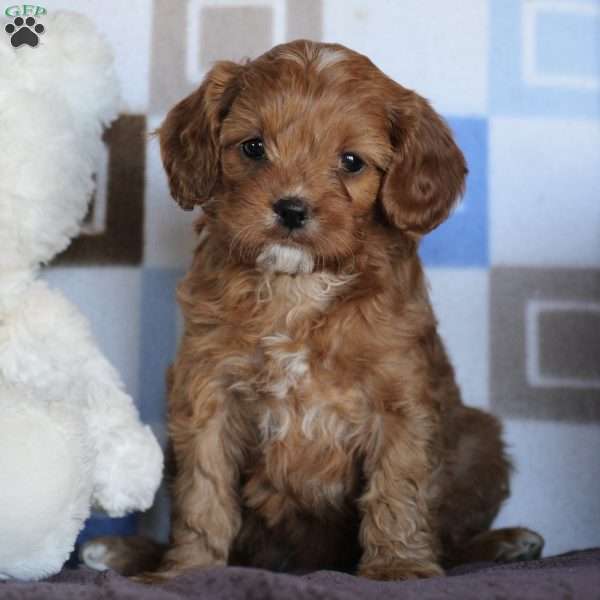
(314, 416)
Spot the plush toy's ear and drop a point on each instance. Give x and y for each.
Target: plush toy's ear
(190, 133)
(427, 173)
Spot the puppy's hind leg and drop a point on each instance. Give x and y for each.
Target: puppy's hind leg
(510, 544)
(477, 483)
(127, 556)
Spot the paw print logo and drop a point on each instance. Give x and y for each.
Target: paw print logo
(24, 32)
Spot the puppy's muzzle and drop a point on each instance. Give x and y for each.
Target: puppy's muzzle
(292, 213)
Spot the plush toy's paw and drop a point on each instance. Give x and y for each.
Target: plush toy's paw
(128, 470)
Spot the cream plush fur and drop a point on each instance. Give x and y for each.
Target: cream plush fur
(70, 437)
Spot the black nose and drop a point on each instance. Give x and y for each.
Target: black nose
(292, 212)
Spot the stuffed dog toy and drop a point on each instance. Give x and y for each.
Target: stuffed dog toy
(70, 436)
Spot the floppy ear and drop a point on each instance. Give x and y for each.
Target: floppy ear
(427, 173)
(189, 136)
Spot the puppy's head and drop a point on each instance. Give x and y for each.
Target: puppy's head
(296, 154)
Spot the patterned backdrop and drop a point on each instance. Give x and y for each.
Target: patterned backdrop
(515, 273)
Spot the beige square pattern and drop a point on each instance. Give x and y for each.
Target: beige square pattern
(189, 35)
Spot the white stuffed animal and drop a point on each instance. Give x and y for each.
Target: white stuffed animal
(70, 437)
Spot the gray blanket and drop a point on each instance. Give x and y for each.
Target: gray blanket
(570, 576)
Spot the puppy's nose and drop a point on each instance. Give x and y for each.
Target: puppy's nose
(292, 212)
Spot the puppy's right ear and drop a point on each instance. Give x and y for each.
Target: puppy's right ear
(189, 136)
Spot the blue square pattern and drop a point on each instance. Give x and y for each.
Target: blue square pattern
(462, 241)
(159, 339)
(545, 58)
(99, 524)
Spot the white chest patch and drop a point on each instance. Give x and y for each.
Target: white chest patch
(278, 258)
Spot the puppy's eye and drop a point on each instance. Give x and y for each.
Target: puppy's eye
(254, 149)
(352, 163)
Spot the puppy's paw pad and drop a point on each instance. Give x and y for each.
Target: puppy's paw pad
(524, 545)
(95, 555)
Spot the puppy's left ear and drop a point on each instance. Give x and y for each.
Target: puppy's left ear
(426, 176)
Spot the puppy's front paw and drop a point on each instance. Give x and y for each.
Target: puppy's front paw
(398, 570)
(173, 566)
(162, 575)
(155, 577)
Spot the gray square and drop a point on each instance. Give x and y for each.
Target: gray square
(545, 343)
(304, 20)
(570, 343)
(234, 33)
(227, 32)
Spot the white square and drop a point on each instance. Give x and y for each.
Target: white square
(439, 49)
(544, 192)
(109, 298)
(555, 487)
(169, 237)
(127, 29)
(460, 301)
